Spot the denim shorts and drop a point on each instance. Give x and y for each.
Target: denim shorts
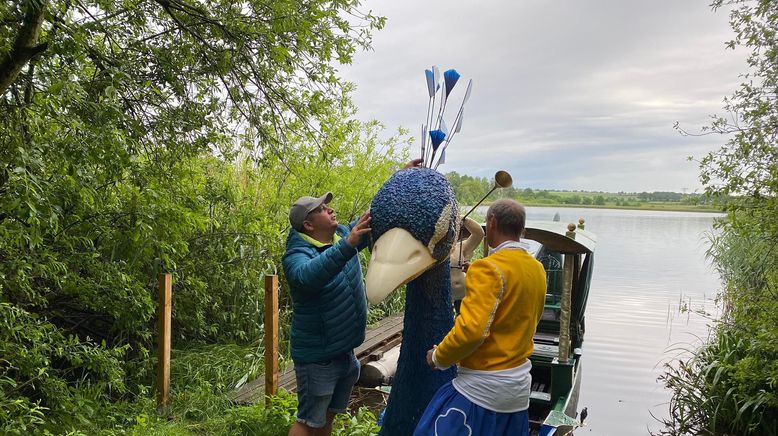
(324, 386)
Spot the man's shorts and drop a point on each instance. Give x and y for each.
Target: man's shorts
(324, 386)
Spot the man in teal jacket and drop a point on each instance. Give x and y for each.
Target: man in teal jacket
(329, 308)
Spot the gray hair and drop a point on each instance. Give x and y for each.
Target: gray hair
(510, 216)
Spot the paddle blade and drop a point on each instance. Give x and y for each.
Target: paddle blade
(442, 159)
(458, 127)
(443, 126)
(467, 93)
(430, 82)
(423, 141)
(450, 77)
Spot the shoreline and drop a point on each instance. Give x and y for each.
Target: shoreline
(647, 207)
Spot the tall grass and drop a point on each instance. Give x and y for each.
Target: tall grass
(201, 379)
(718, 391)
(730, 385)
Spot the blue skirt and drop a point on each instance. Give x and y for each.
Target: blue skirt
(451, 413)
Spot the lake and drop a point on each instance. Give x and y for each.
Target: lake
(648, 264)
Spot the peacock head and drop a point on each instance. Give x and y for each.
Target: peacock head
(414, 226)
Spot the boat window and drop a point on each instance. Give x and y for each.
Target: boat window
(552, 262)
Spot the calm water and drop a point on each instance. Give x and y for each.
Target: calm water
(647, 265)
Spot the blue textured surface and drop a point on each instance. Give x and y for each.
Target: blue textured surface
(413, 199)
(428, 318)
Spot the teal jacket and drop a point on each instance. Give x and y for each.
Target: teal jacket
(328, 297)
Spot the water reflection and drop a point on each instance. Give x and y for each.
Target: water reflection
(648, 264)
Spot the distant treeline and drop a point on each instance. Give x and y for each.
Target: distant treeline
(469, 190)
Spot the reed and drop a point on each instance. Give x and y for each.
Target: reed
(728, 386)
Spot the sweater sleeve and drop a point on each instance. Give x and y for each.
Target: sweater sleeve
(309, 273)
(471, 327)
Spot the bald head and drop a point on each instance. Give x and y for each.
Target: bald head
(510, 217)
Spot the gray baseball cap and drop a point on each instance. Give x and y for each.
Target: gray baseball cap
(303, 206)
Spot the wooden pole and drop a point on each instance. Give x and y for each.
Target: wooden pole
(164, 284)
(564, 318)
(567, 290)
(271, 336)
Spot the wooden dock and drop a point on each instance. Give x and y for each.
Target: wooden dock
(384, 336)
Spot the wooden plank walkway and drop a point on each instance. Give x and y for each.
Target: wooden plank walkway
(386, 334)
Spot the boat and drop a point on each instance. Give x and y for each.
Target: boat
(567, 253)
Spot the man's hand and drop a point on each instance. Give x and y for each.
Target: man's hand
(414, 163)
(359, 230)
(430, 352)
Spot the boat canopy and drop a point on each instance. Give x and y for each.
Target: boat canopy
(553, 235)
(554, 243)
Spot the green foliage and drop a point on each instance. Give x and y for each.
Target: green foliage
(37, 359)
(729, 385)
(160, 136)
(262, 421)
(392, 305)
(747, 166)
(202, 378)
(363, 423)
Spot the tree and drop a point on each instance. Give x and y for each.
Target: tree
(728, 386)
(121, 123)
(747, 165)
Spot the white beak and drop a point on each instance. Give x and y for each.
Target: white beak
(397, 259)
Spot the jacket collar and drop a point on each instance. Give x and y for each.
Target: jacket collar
(318, 244)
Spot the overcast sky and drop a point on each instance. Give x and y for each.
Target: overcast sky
(566, 94)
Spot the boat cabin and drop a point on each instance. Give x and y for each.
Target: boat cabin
(567, 254)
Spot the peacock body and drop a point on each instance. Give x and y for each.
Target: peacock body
(421, 202)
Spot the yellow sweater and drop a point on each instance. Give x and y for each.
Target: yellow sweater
(496, 323)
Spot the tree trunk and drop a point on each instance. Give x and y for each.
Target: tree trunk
(25, 47)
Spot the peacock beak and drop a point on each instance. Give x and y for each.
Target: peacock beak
(397, 258)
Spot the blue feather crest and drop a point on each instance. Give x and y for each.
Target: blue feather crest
(437, 136)
(450, 77)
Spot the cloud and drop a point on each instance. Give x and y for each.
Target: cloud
(452, 423)
(573, 95)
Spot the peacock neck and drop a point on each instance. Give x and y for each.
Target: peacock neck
(428, 318)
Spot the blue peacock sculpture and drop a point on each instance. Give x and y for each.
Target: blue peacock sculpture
(420, 204)
(414, 227)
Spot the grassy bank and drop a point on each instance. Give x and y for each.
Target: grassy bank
(201, 379)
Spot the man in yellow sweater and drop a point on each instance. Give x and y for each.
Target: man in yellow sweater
(492, 337)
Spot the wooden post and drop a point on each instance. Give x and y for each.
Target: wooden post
(567, 290)
(564, 316)
(164, 285)
(271, 336)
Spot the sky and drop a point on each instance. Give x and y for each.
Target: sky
(574, 95)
